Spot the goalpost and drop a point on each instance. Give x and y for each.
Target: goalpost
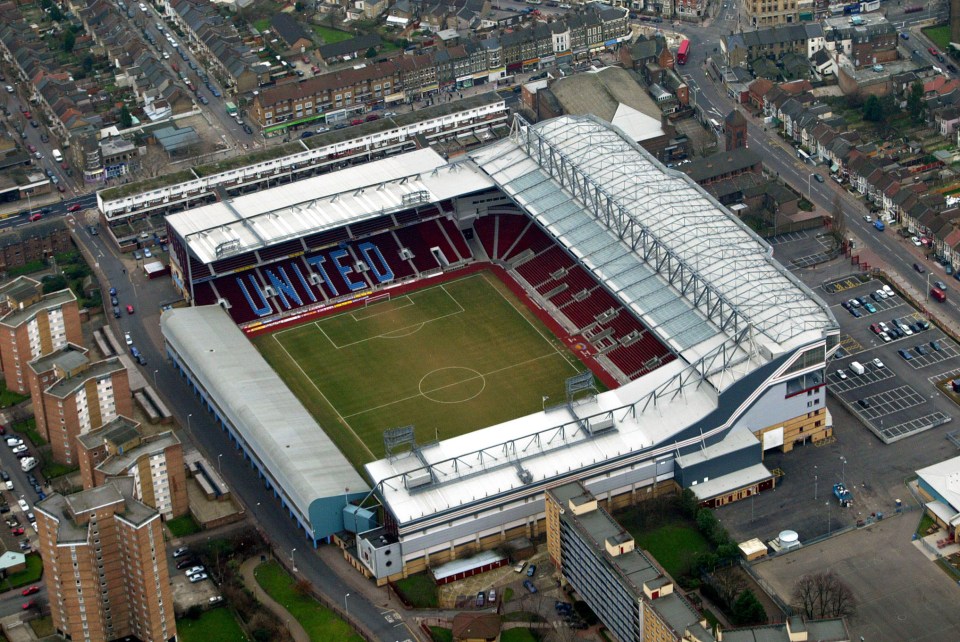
(376, 298)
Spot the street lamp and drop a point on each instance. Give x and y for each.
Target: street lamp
(292, 563)
(219, 468)
(346, 608)
(815, 483)
(926, 292)
(188, 421)
(843, 470)
(809, 197)
(155, 377)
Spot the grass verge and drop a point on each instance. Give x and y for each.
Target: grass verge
(215, 625)
(419, 590)
(518, 635)
(320, 622)
(440, 634)
(30, 575)
(182, 526)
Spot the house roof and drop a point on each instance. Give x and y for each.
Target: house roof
(483, 626)
(287, 27)
(348, 47)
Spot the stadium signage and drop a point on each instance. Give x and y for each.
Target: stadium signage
(284, 280)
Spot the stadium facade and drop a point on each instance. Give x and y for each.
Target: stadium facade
(714, 352)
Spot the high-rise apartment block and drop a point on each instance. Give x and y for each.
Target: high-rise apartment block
(105, 566)
(154, 462)
(73, 395)
(32, 325)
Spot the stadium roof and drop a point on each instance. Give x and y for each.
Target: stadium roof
(331, 200)
(296, 451)
(681, 261)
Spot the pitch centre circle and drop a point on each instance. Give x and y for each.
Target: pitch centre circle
(452, 384)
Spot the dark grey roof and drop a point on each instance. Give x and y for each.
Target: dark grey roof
(347, 47)
(287, 27)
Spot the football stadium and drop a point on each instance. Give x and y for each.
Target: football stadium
(410, 351)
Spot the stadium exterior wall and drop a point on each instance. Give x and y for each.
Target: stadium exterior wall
(491, 522)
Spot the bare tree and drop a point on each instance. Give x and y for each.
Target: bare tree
(839, 220)
(823, 595)
(153, 161)
(729, 583)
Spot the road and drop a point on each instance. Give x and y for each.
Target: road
(134, 289)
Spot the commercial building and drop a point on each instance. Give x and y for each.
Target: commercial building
(155, 462)
(767, 13)
(105, 565)
(33, 325)
(73, 395)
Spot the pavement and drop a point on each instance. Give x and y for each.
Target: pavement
(247, 572)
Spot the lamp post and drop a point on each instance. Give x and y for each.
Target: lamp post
(155, 377)
(926, 292)
(815, 480)
(188, 421)
(292, 563)
(809, 197)
(219, 469)
(843, 470)
(346, 609)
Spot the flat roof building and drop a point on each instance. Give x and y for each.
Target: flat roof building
(105, 567)
(33, 325)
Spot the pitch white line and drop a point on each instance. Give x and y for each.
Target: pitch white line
(450, 385)
(327, 401)
(563, 353)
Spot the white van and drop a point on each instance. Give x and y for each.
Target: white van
(57, 156)
(857, 368)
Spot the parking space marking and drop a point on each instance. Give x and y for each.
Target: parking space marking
(890, 402)
(932, 356)
(843, 284)
(854, 381)
(810, 259)
(789, 237)
(850, 345)
(949, 374)
(890, 434)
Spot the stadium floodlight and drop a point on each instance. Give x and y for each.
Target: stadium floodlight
(396, 439)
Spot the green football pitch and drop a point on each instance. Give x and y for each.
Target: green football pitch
(448, 359)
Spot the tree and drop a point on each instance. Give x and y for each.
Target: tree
(747, 609)
(823, 595)
(689, 503)
(371, 52)
(125, 118)
(728, 584)
(872, 109)
(839, 218)
(68, 41)
(915, 104)
(299, 6)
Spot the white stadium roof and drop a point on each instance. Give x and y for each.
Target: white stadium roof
(350, 195)
(682, 262)
(282, 434)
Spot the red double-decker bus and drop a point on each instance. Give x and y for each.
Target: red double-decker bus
(683, 52)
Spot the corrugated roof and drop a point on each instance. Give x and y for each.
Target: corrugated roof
(263, 411)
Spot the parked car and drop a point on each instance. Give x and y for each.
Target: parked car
(481, 598)
(529, 586)
(194, 570)
(22, 448)
(906, 355)
(936, 346)
(921, 350)
(531, 570)
(180, 552)
(14, 441)
(877, 363)
(199, 577)
(186, 563)
(841, 374)
(147, 254)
